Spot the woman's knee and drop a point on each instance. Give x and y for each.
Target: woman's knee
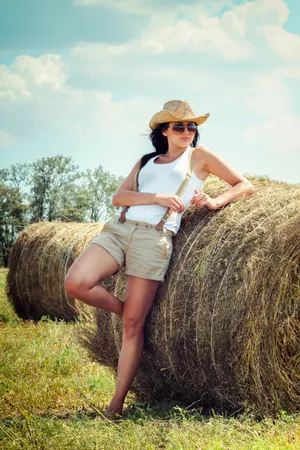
(132, 326)
(74, 285)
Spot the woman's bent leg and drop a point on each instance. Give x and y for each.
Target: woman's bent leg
(139, 299)
(92, 265)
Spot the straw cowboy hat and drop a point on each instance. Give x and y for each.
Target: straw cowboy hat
(176, 110)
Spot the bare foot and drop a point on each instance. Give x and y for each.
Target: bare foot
(115, 407)
(112, 415)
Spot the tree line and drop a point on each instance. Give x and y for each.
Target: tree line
(52, 189)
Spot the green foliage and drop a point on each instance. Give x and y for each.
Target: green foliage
(13, 208)
(56, 195)
(50, 178)
(74, 203)
(12, 212)
(101, 186)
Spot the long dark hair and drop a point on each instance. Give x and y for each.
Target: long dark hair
(160, 143)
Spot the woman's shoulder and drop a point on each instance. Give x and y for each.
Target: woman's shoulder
(202, 152)
(203, 149)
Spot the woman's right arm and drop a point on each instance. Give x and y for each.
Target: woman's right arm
(126, 196)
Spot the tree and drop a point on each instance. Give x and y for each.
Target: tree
(74, 204)
(12, 211)
(19, 174)
(13, 208)
(49, 179)
(4, 174)
(101, 185)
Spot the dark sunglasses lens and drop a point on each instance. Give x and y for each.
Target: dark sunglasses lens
(178, 127)
(192, 127)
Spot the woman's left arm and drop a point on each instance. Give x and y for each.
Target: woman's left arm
(214, 164)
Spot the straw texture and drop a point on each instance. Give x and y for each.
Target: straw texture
(176, 110)
(38, 264)
(224, 330)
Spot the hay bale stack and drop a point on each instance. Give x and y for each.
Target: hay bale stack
(225, 328)
(38, 264)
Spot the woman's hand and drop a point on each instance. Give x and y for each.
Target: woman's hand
(170, 201)
(200, 200)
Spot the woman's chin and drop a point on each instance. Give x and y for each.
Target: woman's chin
(184, 143)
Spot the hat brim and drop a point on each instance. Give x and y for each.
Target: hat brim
(165, 116)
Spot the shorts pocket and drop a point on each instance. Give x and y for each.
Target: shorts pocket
(107, 225)
(166, 246)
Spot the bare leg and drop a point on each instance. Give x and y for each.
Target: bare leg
(92, 265)
(139, 299)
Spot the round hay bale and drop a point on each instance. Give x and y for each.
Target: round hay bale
(38, 263)
(224, 330)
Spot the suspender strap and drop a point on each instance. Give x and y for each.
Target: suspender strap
(125, 209)
(180, 191)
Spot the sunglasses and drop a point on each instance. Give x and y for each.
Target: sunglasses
(178, 128)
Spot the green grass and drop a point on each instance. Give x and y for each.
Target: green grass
(52, 396)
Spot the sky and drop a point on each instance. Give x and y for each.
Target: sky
(83, 78)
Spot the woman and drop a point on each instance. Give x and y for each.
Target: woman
(148, 247)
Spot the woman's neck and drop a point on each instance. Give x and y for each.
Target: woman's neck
(175, 152)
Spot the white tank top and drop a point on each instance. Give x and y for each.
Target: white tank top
(163, 179)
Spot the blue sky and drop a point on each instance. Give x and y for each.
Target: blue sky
(82, 78)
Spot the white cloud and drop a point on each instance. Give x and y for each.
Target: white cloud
(12, 86)
(231, 24)
(96, 58)
(289, 71)
(57, 107)
(27, 74)
(189, 29)
(267, 94)
(47, 70)
(285, 44)
(183, 36)
(245, 23)
(253, 12)
(280, 134)
(223, 38)
(5, 139)
(259, 12)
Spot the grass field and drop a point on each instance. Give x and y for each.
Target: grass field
(52, 396)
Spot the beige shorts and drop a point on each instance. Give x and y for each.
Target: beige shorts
(144, 251)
